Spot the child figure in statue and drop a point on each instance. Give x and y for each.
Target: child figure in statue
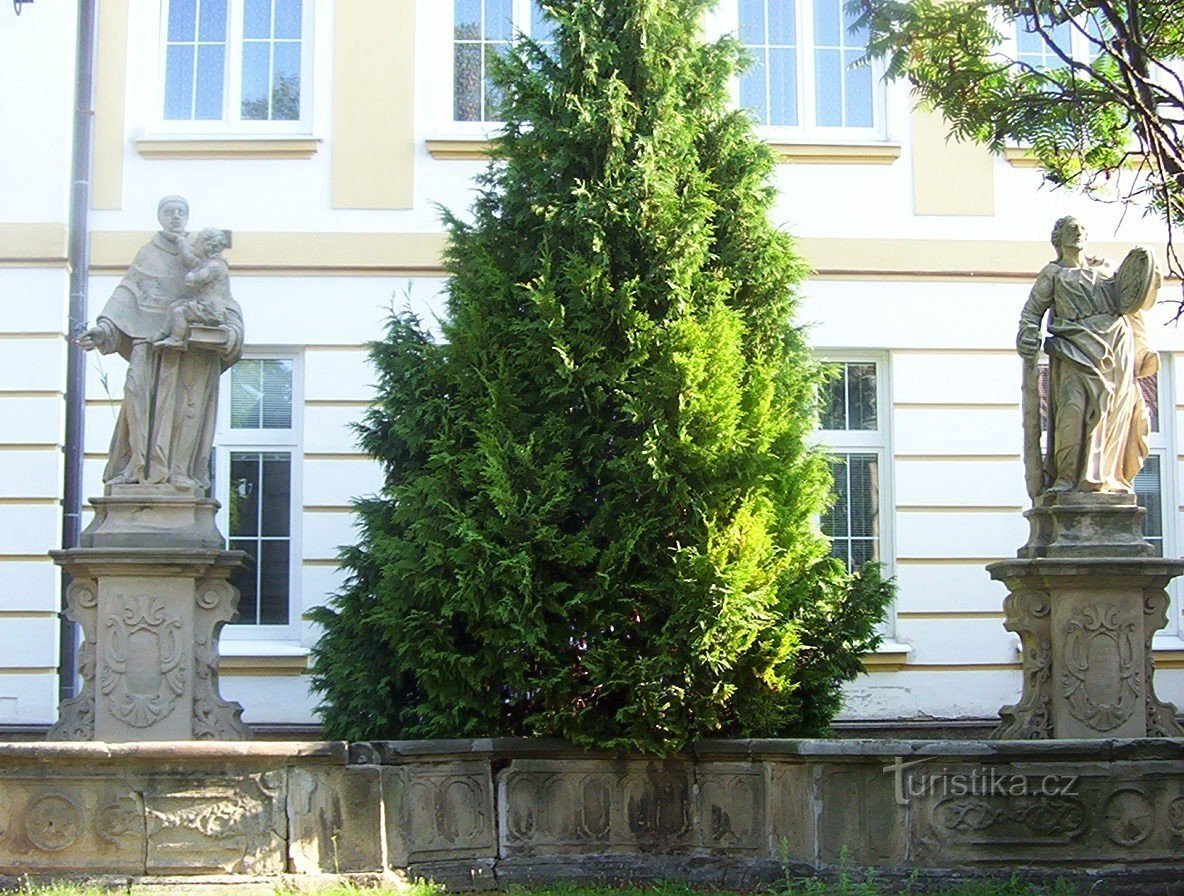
(209, 283)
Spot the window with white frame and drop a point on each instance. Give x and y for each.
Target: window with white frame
(257, 476)
(1042, 43)
(236, 65)
(481, 30)
(855, 432)
(802, 74)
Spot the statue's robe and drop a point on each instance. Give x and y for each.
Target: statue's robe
(165, 429)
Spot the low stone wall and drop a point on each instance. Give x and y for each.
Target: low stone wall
(482, 813)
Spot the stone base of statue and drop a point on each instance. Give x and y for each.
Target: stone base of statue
(151, 592)
(1086, 597)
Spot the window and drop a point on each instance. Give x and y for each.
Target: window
(257, 482)
(242, 63)
(1077, 41)
(802, 73)
(482, 29)
(853, 428)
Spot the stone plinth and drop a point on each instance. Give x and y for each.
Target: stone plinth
(157, 516)
(1086, 597)
(150, 618)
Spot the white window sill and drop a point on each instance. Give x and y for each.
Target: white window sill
(237, 146)
(261, 658)
(890, 656)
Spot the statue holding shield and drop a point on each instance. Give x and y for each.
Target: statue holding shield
(1097, 348)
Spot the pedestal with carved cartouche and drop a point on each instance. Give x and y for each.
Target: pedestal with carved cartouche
(1086, 597)
(151, 591)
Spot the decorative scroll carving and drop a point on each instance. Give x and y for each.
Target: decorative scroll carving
(119, 820)
(143, 671)
(53, 822)
(1048, 818)
(1027, 614)
(76, 715)
(1161, 716)
(213, 717)
(1100, 658)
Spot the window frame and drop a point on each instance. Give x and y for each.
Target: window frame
(231, 124)
(879, 443)
(1161, 445)
(445, 93)
(228, 440)
(726, 20)
(839, 442)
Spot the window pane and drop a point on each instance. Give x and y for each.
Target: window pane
(212, 25)
(1149, 492)
(275, 515)
(178, 83)
(542, 26)
(752, 22)
(827, 16)
(288, 15)
(257, 19)
(861, 397)
(248, 582)
(753, 89)
(277, 394)
(782, 27)
(182, 20)
(853, 523)
(285, 83)
(273, 582)
(857, 92)
(246, 394)
(863, 497)
(256, 80)
(837, 521)
(243, 495)
(499, 22)
(210, 67)
(467, 20)
(493, 94)
(466, 82)
(834, 398)
(783, 87)
(828, 88)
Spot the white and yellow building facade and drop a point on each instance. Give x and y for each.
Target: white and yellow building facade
(325, 134)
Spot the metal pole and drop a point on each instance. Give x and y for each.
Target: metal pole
(79, 265)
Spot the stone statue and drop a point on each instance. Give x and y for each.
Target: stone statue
(173, 320)
(1097, 348)
(151, 581)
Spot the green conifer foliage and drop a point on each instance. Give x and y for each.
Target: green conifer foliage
(599, 513)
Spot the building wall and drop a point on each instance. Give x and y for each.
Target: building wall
(924, 252)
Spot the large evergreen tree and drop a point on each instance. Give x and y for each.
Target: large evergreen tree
(599, 518)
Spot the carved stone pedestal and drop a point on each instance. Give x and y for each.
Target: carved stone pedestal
(1086, 598)
(151, 592)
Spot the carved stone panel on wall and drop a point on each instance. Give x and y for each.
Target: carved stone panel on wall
(1051, 813)
(70, 824)
(554, 807)
(439, 811)
(237, 825)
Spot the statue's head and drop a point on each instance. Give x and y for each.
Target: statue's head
(1067, 232)
(211, 241)
(173, 214)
